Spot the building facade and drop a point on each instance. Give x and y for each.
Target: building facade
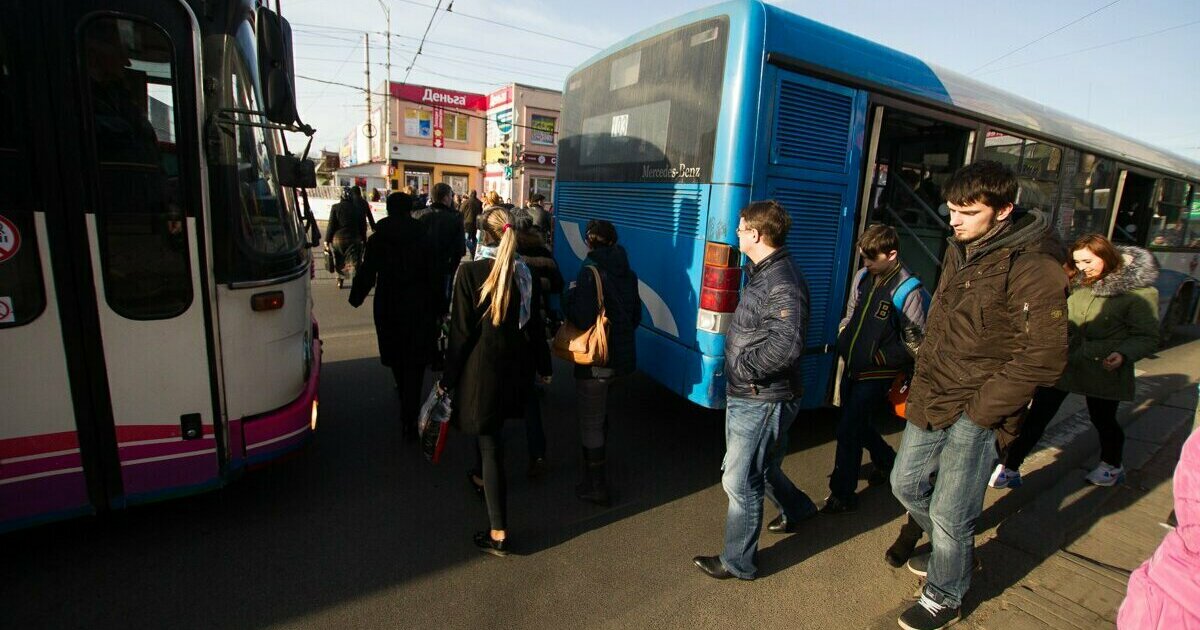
(521, 151)
(434, 135)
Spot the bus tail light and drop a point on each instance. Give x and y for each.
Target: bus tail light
(719, 285)
(269, 301)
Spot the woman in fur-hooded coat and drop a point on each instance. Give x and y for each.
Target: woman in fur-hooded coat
(1117, 313)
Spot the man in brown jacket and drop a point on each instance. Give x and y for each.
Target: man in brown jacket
(997, 329)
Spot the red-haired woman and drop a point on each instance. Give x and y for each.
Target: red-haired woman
(1113, 312)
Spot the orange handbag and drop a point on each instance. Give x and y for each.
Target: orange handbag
(585, 347)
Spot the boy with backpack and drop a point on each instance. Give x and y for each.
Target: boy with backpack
(886, 304)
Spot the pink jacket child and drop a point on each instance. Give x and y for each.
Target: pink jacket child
(1164, 593)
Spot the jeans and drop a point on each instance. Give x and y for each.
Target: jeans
(755, 444)
(864, 401)
(962, 455)
(1046, 401)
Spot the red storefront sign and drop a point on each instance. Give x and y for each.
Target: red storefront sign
(503, 96)
(439, 97)
(540, 159)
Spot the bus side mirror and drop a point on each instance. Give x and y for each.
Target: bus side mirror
(276, 69)
(295, 173)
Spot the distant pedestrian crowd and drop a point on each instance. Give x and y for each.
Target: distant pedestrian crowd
(978, 364)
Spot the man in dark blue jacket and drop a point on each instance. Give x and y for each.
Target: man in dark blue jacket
(871, 341)
(763, 389)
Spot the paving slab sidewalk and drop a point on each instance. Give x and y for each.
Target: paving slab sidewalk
(1063, 559)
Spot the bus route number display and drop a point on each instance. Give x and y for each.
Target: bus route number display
(10, 239)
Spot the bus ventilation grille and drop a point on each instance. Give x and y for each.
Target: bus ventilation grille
(673, 210)
(813, 127)
(812, 242)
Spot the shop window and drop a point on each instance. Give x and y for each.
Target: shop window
(22, 294)
(460, 182)
(455, 126)
(542, 185)
(1087, 183)
(140, 209)
(542, 131)
(418, 123)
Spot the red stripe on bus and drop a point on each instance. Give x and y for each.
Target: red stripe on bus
(142, 432)
(38, 444)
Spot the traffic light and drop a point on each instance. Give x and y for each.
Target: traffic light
(518, 153)
(505, 149)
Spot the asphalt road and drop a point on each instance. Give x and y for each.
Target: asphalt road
(360, 531)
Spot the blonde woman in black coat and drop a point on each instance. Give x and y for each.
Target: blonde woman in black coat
(491, 357)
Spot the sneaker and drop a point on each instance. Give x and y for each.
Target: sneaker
(927, 614)
(919, 565)
(1004, 477)
(1106, 475)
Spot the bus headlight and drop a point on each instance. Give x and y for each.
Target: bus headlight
(313, 422)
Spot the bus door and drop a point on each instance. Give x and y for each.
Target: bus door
(812, 168)
(1131, 225)
(118, 166)
(912, 156)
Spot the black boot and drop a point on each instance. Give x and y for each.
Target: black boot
(593, 488)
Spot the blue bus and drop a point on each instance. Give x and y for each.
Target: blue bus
(669, 133)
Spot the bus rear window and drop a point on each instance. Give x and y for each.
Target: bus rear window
(647, 113)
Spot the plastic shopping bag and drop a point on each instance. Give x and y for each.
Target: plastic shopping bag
(434, 423)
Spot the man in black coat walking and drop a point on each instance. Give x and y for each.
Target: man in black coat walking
(444, 227)
(398, 266)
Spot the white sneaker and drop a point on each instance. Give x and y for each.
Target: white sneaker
(1106, 475)
(1004, 477)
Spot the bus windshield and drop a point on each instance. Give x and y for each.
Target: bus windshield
(268, 225)
(649, 112)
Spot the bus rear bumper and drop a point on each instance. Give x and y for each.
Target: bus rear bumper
(688, 372)
(268, 436)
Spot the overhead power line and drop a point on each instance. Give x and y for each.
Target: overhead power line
(1027, 45)
(491, 53)
(512, 26)
(408, 70)
(1096, 47)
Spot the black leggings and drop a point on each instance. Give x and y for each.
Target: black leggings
(495, 486)
(1046, 401)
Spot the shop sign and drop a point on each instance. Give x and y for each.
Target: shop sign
(540, 159)
(439, 97)
(504, 120)
(438, 130)
(503, 96)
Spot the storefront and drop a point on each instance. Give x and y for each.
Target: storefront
(437, 136)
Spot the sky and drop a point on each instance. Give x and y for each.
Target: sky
(1132, 66)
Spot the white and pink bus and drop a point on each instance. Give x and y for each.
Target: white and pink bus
(156, 330)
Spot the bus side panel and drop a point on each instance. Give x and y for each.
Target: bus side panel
(41, 471)
(812, 167)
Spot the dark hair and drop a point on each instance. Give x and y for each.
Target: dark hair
(770, 219)
(537, 198)
(878, 239)
(399, 203)
(441, 189)
(1103, 249)
(600, 234)
(986, 181)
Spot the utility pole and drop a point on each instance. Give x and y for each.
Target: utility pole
(387, 98)
(369, 131)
